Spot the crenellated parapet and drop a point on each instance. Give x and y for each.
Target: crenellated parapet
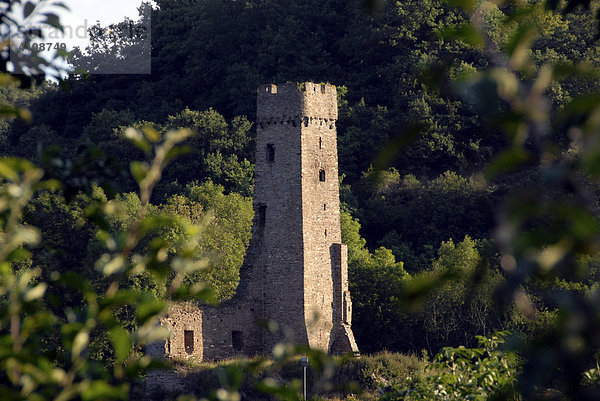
(297, 120)
(297, 103)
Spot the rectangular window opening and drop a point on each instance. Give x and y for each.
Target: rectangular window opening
(188, 341)
(322, 175)
(237, 339)
(270, 153)
(262, 215)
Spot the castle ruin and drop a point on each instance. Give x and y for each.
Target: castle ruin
(295, 273)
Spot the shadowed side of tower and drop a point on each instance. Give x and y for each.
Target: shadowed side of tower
(272, 275)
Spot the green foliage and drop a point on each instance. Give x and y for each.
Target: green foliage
(46, 353)
(225, 238)
(549, 222)
(413, 217)
(375, 281)
(592, 376)
(357, 250)
(375, 286)
(338, 378)
(484, 373)
(375, 373)
(461, 302)
(219, 151)
(224, 219)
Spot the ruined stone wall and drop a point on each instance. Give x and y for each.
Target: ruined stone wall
(342, 337)
(339, 261)
(229, 331)
(184, 321)
(203, 332)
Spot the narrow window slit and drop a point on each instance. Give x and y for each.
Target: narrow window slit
(270, 153)
(262, 215)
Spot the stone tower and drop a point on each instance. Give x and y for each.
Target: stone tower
(297, 268)
(295, 273)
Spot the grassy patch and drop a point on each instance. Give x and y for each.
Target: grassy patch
(363, 378)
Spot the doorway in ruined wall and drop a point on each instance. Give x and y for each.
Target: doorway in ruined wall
(188, 341)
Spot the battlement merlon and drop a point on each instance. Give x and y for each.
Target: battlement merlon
(282, 103)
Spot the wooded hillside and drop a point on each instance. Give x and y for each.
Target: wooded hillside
(468, 173)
